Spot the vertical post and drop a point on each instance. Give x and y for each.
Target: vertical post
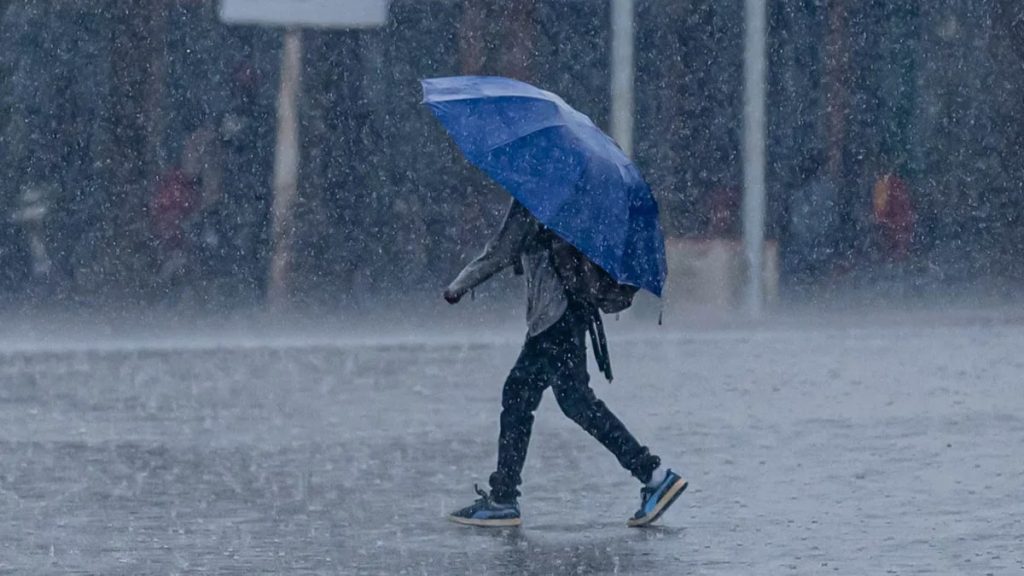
(836, 65)
(286, 167)
(754, 68)
(622, 72)
(472, 47)
(153, 95)
(520, 32)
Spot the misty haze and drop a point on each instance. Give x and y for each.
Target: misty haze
(282, 282)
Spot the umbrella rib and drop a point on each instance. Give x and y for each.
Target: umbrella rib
(521, 136)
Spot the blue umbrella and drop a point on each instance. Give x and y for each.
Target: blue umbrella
(571, 176)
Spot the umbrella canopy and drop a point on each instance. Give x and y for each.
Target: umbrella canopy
(568, 173)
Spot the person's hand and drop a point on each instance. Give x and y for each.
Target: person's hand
(451, 296)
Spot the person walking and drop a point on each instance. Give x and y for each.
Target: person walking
(554, 355)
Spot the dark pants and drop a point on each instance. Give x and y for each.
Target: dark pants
(557, 357)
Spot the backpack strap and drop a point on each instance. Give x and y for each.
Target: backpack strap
(590, 312)
(595, 326)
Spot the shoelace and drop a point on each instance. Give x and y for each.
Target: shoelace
(484, 496)
(646, 493)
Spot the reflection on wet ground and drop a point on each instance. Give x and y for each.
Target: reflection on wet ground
(854, 451)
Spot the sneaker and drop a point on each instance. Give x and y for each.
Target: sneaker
(487, 512)
(654, 501)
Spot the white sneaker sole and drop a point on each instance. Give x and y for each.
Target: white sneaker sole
(497, 523)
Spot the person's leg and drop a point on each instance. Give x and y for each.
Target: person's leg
(571, 385)
(520, 397)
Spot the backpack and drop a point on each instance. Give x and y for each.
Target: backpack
(585, 280)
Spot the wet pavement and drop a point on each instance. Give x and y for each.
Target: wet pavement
(897, 449)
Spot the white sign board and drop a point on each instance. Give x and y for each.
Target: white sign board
(306, 13)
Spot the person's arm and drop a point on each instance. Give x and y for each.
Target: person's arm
(501, 252)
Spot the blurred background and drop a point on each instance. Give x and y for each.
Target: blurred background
(137, 142)
(158, 415)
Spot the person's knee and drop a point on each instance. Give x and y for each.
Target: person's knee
(577, 412)
(516, 416)
(576, 405)
(520, 400)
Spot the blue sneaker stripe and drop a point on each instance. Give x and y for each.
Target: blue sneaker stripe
(655, 505)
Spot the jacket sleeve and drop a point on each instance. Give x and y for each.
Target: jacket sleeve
(501, 251)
